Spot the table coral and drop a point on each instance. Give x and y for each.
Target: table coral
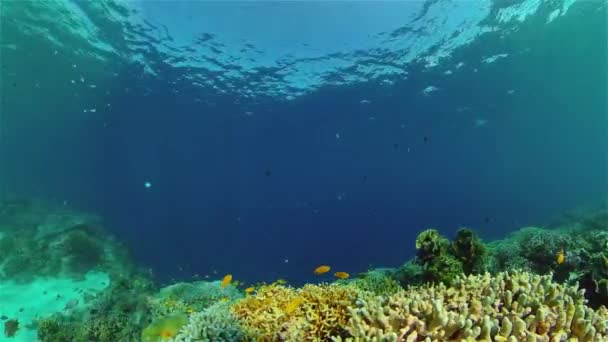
(506, 307)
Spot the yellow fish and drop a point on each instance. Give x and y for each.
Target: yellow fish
(322, 269)
(342, 275)
(560, 257)
(249, 290)
(226, 280)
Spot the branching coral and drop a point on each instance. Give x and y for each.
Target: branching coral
(312, 313)
(507, 307)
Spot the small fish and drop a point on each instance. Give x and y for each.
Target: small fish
(281, 282)
(293, 305)
(224, 299)
(322, 269)
(226, 280)
(560, 256)
(249, 290)
(341, 275)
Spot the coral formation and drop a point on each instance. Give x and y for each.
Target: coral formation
(469, 250)
(507, 307)
(186, 298)
(215, 323)
(281, 313)
(443, 261)
(376, 283)
(40, 239)
(118, 314)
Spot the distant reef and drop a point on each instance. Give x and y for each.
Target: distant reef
(537, 284)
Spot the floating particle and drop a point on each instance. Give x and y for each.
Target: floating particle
(268, 173)
(426, 139)
(72, 81)
(14, 84)
(337, 135)
(429, 90)
(73, 65)
(147, 185)
(365, 101)
(285, 261)
(55, 52)
(395, 146)
(510, 91)
(81, 79)
(364, 179)
(92, 86)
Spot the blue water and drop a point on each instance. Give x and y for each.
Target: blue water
(268, 174)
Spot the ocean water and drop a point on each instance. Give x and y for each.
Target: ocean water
(262, 139)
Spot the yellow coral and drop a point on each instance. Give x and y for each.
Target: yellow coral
(505, 307)
(312, 313)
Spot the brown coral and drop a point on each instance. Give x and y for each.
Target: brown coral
(281, 313)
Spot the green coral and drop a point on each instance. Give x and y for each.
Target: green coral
(469, 250)
(435, 255)
(430, 244)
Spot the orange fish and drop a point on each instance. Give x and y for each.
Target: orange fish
(322, 269)
(342, 275)
(560, 256)
(226, 280)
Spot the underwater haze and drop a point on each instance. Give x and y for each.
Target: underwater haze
(263, 139)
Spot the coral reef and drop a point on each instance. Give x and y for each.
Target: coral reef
(42, 239)
(215, 323)
(507, 307)
(375, 282)
(469, 250)
(118, 314)
(281, 313)
(443, 261)
(186, 298)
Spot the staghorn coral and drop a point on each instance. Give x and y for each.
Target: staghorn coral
(507, 307)
(281, 313)
(215, 323)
